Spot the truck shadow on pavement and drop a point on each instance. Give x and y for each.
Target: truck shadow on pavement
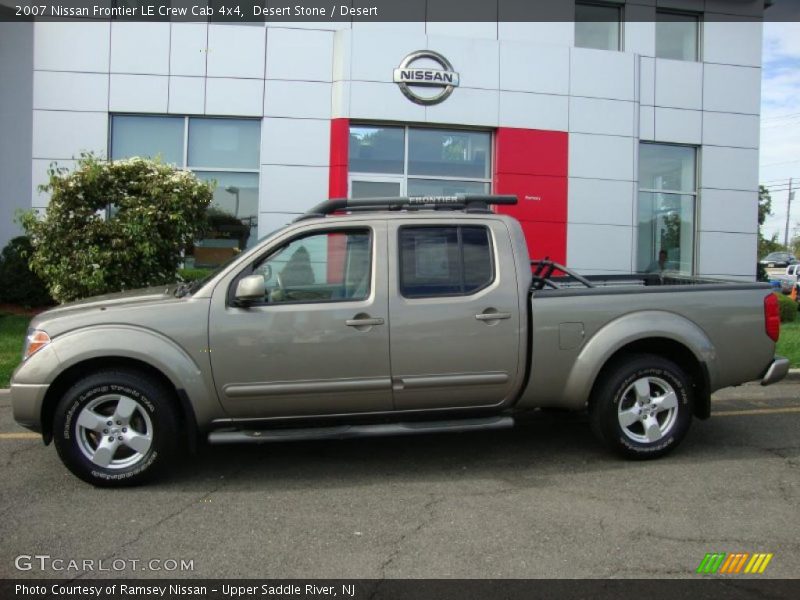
(535, 450)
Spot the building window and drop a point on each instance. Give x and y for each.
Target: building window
(677, 35)
(444, 261)
(598, 25)
(667, 201)
(220, 149)
(414, 161)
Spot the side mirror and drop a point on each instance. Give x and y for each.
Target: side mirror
(251, 288)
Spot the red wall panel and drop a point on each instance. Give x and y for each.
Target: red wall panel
(531, 152)
(337, 188)
(533, 165)
(340, 140)
(541, 197)
(546, 240)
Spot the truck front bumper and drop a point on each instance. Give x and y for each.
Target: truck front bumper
(776, 371)
(26, 404)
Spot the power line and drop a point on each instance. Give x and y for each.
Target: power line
(784, 179)
(791, 123)
(788, 162)
(779, 117)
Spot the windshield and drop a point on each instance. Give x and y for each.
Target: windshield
(777, 256)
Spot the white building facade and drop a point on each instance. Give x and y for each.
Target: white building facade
(622, 135)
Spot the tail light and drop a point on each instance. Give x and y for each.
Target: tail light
(772, 317)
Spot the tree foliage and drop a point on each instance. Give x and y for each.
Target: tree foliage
(20, 285)
(765, 245)
(112, 226)
(764, 204)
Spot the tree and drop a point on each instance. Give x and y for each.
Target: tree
(794, 245)
(20, 285)
(765, 245)
(113, 226)
(764, 204)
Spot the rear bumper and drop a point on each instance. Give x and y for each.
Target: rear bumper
(776, 371)
(26, 404)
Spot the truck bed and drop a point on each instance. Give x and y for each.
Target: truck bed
(632, 283)
(576, 318)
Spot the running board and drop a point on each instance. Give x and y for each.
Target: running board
(341, 432)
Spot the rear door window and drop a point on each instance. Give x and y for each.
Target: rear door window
(444, 260)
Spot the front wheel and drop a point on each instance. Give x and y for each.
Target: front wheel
(116, 428)
(642, 406)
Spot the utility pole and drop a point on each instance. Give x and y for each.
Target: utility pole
(788, 213)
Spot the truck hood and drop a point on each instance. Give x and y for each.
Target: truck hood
(118, 300)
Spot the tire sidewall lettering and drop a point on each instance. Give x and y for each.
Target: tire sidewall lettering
(614, 431)
(680, 390)
(81, 400)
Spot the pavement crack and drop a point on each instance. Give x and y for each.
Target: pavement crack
(157, 524)
(785, 453)
(428, 510)
(12, 456)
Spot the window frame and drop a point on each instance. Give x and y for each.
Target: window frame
(404, 177)
(698, 17)
(458, 227)
(695, 194)
(184, 166)
(230, 297)
(620, 8)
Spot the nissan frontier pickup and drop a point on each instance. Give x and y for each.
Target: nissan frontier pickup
(385, 316)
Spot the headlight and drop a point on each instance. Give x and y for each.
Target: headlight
(35, 341)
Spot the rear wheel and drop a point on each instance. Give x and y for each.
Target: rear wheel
(642, 406)
(116, 428)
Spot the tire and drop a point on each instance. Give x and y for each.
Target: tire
(143, 426)
(642, 406)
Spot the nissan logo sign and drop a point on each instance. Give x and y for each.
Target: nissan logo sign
(413, 80)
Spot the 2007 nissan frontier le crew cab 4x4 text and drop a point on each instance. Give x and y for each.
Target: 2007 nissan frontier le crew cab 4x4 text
(385, 316)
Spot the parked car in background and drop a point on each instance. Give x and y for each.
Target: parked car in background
(788, 279)
(778, 259)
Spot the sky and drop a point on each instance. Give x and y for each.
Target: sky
(780, 123)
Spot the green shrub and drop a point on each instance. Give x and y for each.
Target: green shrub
(761, 273)
(154, 212)
(787, 308)
(193, 274)
(18, 284)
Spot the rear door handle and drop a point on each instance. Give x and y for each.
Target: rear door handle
(364, 322)
(493, 316)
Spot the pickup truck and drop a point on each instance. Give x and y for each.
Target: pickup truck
(385, 316)
(788, 279)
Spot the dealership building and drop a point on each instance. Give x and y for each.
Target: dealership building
(630, 129)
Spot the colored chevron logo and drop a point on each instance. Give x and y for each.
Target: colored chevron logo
(734, 563)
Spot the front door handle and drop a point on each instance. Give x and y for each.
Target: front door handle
(493, 316)
(364, 321)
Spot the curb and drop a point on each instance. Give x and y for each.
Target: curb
(793, 375)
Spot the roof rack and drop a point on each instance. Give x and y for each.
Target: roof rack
(465, 202)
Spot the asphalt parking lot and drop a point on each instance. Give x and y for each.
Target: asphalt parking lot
(542, 500)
